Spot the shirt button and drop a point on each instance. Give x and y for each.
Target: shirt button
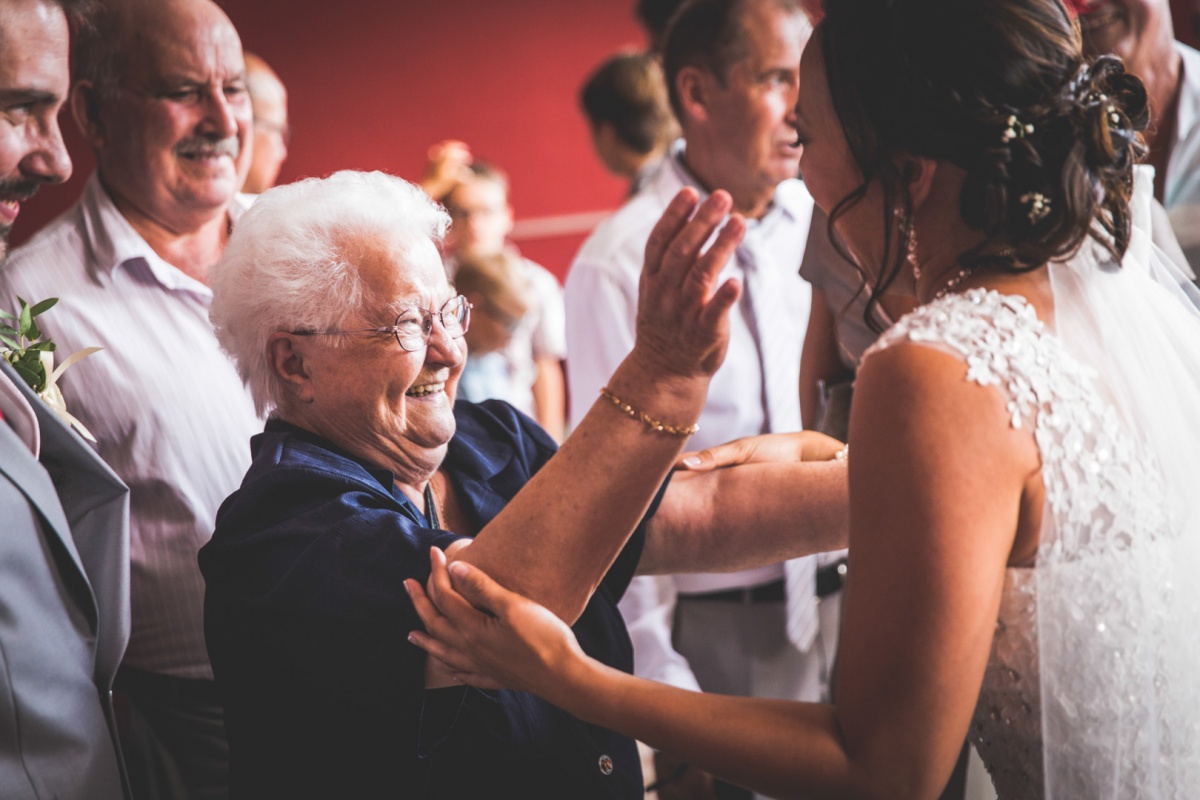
(606, 765)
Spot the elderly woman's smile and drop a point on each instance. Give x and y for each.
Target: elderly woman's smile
(426, 389)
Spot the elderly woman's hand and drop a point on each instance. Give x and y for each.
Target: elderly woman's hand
(682, 324)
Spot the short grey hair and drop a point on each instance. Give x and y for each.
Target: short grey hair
(291, 262)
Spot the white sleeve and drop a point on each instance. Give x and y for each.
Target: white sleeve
(649, 607)
(549, 334)
(601, 310)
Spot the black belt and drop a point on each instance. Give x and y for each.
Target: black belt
(830, 579)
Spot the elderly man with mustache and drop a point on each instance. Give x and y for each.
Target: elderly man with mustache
(159, 93)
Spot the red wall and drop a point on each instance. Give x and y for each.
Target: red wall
(372, 84)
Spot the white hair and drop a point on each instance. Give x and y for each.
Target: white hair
(290, 262)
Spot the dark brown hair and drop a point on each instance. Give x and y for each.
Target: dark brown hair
(901, 85)
(627, 92)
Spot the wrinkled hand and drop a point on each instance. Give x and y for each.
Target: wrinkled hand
(768, 447)
(447, 165)
(682, 318)
(489, 637)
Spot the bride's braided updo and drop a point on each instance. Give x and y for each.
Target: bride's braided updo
(1001, 89)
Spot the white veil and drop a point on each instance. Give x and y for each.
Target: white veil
(1119, 594)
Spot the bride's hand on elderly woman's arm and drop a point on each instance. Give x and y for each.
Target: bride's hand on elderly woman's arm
(764, 448)
(487, 636)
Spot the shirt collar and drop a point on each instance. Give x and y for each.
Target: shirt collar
(114, 243)
(482, 458)
(386, 478)
(788, 200)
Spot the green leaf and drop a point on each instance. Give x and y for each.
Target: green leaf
(34, 377)
(47, 346)
(4, 314)
(34, 332)
(9, 342)
(44, 306)
(26, 318)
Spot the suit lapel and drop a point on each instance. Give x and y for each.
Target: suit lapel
(86, 508)
(19, 465)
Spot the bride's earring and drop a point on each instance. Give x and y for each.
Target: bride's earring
(911, 259)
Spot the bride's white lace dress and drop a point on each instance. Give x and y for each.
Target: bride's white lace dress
(1089, 692)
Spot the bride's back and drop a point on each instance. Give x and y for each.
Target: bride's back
(1021, 514)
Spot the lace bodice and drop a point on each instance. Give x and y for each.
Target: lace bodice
(1104, 516)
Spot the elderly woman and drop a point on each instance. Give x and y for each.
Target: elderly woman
(333, 302)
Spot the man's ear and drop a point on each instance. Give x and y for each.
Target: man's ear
(918, 173)
(693, 86)
(287, 362)
(85, 108)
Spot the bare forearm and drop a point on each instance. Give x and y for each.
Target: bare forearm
(779, 748)
(559, 535)
(746, 516)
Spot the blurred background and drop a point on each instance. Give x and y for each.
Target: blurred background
(372, 85)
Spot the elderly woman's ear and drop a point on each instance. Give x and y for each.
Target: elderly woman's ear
(287, 362)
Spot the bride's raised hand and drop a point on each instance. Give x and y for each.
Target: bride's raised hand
(682, 319)
(490, 638)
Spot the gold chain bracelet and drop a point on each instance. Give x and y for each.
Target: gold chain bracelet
(646, 419)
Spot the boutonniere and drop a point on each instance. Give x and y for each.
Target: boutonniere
(22, 346)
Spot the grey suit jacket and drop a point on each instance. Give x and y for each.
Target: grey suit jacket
(64, 613)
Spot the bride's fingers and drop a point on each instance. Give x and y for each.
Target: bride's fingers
(459, 611)
(453, 658)
(438, 626)
(481, 592)
(678, 212)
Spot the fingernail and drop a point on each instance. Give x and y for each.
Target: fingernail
(407, 590)
(458, 569)
(412, 639)
(692, 461)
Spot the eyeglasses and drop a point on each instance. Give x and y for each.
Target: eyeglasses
(414, 325)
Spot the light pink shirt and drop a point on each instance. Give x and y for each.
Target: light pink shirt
(169, 412)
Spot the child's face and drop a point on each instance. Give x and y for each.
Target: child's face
(493, 322)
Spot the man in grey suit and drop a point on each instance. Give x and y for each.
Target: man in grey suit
(64, 546)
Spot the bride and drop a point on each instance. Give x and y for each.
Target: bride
(1024, 530)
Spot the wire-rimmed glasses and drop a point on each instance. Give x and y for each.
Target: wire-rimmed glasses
(414, 325)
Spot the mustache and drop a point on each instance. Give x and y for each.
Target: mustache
(19, 190)
(205, 147)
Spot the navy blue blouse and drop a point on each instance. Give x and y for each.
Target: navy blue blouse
(306, 620)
